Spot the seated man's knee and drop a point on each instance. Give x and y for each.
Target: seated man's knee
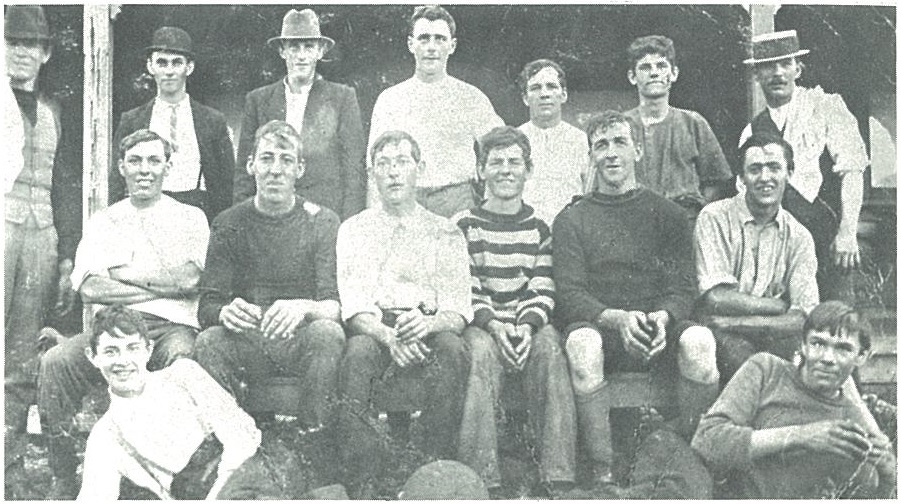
(481, 345)
(176, 344)
(697, 354)
(208, 341)
(65, 354)
(447, 344)
(326, 336)
(546, 346)
(360, 348)
(584, 349)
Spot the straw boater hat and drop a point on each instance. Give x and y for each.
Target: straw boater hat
(775, 46)
(302, 25)
(171, 39)
(25, 22)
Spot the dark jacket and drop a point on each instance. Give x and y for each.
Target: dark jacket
(333, 144)
(217, 162)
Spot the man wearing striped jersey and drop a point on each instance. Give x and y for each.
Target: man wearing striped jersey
(513, 296)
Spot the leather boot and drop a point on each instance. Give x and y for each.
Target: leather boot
(593, 415)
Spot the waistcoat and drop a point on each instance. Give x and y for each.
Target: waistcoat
(29, 199)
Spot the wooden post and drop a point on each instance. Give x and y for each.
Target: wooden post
(98, 77)
(763, 20)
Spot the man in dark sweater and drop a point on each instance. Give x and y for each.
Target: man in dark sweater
(623, 271)
(789, 431)
(269, 297)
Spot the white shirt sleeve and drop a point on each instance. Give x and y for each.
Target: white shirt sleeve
(100, 477)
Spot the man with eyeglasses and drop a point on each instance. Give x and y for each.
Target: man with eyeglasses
(405, 298)
(325, 113)
(202, 161)
(145, 252)
(446, 116)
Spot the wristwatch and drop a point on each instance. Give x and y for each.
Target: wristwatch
(427, 309)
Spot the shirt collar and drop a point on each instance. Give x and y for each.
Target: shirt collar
(304, 90)
(744, 214)
(159, 102)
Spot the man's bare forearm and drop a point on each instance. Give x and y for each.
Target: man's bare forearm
(787, 325)
(370, 325)
(723, 300)
(852, 200)
(179, 281)
(97, 289)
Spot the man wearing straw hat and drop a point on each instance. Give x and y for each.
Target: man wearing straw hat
(325, 113)
(202, 154)
(828, 152)
(42, 210)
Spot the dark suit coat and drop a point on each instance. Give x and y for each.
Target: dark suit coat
(217, 162)
(332, 138)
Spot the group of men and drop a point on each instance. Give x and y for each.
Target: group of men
(271, 266)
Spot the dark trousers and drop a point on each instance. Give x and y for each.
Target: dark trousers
(367, 364)
(312, 354)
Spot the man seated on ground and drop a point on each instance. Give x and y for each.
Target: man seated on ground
(145, 252)
(788, 431)
(158, 420)
(402, 275)
(756, 264)
(269, 300)
(623, 272)
(513, 297)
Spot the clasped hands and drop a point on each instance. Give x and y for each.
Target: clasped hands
(643, 334)
(277, 322)
(515, 341)
(405, 339)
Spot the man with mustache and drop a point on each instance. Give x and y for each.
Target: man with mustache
(682, 159)
(756, 265)
(829, 153)
(325, 113)
(269, 298)
(145, 252)
(203, 163)
(444, 114)
(784, 430)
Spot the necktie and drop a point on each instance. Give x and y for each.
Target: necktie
(173, 126)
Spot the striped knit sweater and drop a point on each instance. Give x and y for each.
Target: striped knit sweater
(510, 266)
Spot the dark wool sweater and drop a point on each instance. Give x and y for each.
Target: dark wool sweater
(631, 252)
(262, 259)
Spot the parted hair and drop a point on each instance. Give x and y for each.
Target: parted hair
(533, 67)
(394, 137)
(651, 44)
(840, 320)
(114, 320)
(608, 118)
(141, 136)
(502, 137)
(432, 13)
(762, 140)
(281, 131)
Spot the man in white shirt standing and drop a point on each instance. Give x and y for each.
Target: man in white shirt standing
(445, 115)
(559, 149)
(159, 423)
(203, 159)
(829, 152)
(146, 252)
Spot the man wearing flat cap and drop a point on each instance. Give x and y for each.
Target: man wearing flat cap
(202, 154)
(42, 210)
(828, 152)
(325, 113)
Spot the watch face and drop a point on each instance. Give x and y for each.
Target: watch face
(427, 309)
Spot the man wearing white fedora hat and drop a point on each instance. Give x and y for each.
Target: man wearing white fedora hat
(202, 157)
(325, 113)
(444, 114)
(828, 152)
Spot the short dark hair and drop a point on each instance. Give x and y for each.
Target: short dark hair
(113, 317)
(839, 319)
(141, 136)
(394, 137)
(762, 140)
(433, 13)
(536, 66)
(502, 137)
(283, 133)
(651, 44)
(188, 58)
(607, 119)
